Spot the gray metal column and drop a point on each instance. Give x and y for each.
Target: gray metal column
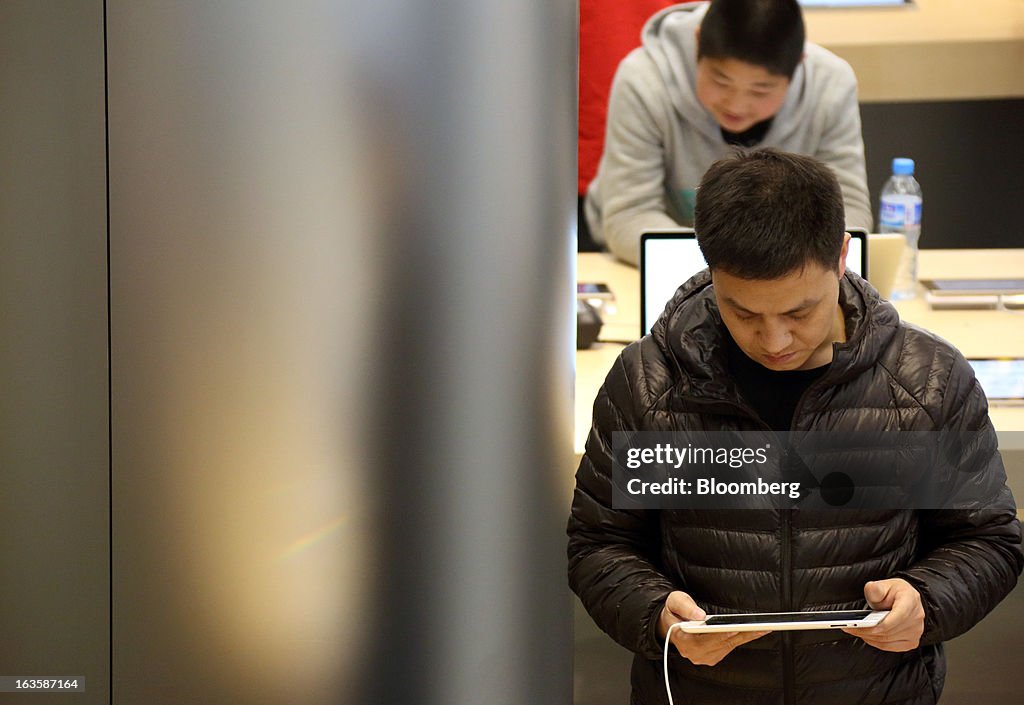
(54, 569)
(341, 281)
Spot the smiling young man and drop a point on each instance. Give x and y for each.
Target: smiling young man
(778, 335)
(710, 77)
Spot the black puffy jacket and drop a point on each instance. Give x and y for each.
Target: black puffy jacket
(887, 376)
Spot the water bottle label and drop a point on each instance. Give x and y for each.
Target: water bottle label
(893, 214)
(899, 214)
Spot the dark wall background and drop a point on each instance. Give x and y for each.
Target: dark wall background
(54, 547)
(969, 157)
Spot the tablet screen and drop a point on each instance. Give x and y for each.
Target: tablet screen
(783, 617)
(1000, 378)
(852, 3)
(1008, 286)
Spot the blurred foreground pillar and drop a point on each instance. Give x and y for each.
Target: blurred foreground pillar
(341, 350)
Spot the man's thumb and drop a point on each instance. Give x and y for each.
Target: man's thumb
(684, 606)
(877, 594)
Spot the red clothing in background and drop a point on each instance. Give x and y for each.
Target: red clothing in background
(609, 29)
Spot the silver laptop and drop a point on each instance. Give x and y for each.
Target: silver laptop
(670, 257)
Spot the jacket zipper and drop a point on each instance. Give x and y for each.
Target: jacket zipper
(788, 655)
(786, 557)
(788, 667)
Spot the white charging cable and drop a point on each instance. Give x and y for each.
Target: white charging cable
(668, 641)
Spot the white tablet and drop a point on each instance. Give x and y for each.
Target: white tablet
(784, 621)
(976, 287)
(1001, 378)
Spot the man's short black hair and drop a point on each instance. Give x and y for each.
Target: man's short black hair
(764, 214)
(766, 33)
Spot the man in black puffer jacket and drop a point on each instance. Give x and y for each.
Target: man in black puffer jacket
(778, 335)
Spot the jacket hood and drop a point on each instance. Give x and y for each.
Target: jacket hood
(690, 335)
(669, 38)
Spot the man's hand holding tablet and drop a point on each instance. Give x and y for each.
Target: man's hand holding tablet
(902, 629)
(700, 649)
(895, 623)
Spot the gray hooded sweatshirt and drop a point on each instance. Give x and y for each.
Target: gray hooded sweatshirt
(660, 139)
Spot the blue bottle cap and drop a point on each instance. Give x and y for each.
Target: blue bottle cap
(901, 166)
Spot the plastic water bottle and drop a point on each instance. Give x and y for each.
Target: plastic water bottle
(901, 213)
